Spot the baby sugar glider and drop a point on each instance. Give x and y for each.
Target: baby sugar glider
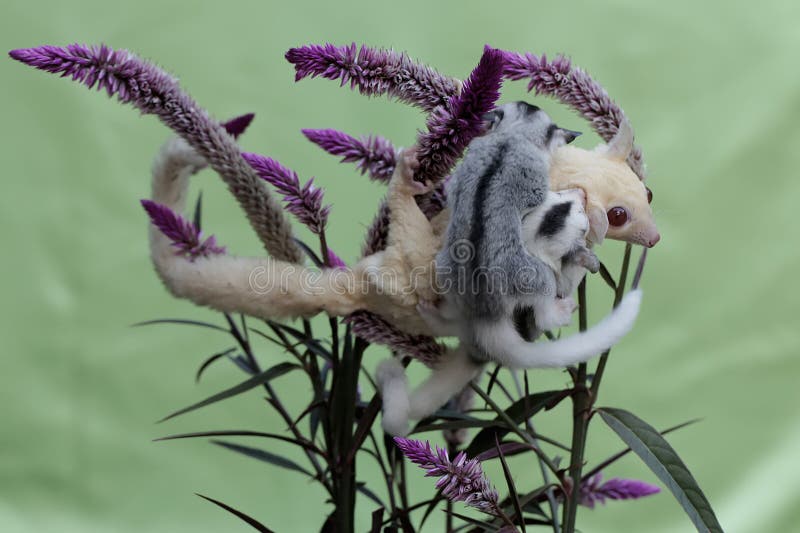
(503, 177)
(556, 234)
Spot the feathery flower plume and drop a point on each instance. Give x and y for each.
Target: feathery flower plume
(460, 479)
(152, 91)
(453, 126)
(374, 71)
(592, 492)
(184, 235)
(378, 231)
(237, 125)
(303, 202)
(375, 329)
(575, 88)
(372, 154)
(334, 261)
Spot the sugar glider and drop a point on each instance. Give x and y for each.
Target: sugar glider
(488, 274)
(617, 201)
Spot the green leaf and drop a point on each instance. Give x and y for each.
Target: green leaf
(662, 459)
(263, 455)
(258, 526)
(259, 379)
(183, 322)
(198, 212)
(519, 411)
(210, 360)
(512, 488)
(366, 491)
(313, 345)
(310, 253)
(245, 433)
(619, 455)
(486, 526)
(377, 518)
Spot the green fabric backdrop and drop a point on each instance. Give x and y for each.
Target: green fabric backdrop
(713, 90)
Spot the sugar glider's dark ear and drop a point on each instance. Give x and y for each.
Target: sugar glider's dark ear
(492, 119)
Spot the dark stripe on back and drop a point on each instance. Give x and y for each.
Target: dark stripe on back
(478, 229)
(551, 130)
(555, 219)
(527, 109)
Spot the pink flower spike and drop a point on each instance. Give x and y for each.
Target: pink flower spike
(183, 234)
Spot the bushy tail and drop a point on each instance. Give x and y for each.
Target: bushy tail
(504, 344)
(260, 287)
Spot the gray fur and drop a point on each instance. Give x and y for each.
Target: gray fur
(503, 176)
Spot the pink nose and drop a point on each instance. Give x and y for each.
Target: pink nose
(652, 242)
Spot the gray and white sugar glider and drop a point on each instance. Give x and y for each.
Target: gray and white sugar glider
(486, 274)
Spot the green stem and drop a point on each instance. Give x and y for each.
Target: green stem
(343, 405)
(581, 407)
(620, 292)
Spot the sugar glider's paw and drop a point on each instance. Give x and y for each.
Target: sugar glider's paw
(409, 164)
(588, 260)
(557, 314)
(391, 379)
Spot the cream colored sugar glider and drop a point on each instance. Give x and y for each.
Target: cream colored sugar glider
(390, 283)
(617, 202)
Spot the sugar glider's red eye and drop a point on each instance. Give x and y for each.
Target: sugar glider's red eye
(649, 195)
(617, 216)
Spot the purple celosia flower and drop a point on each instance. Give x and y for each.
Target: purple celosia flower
(372, 153)
(184, 235)
(237, 125)
(592, 491)
(378, 231)
(303, 202)
(153, 91)
(375, 329)
(460, 479)
(334, 261)
(574, 87)
(453, 126)
(374, 71)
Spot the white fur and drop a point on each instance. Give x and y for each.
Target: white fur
(391, 379)
(509, 349)
(453, 372)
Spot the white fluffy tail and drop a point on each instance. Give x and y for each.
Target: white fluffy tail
(505, 345)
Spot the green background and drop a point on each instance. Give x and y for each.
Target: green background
(712, 89)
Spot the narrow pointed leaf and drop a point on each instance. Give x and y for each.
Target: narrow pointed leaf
(271, 373)
(198, 212)
(207, 362)
(662, 459)
(486, 526)
(183, 322)
(258, 526)
(519, 411)
(619, 455)
(377, 520)
(512, 488)
(244, 433)
(263, 455)
(366, 491)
